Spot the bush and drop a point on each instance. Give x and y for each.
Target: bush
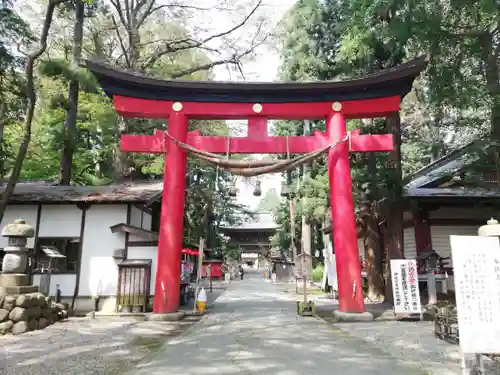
(317, 273)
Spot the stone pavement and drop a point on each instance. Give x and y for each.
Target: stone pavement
(254, 329)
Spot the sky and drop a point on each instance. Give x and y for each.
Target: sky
(264, 67)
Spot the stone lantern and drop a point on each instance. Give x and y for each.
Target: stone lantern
(431, 261)
(13, 279)
(258, 190)
(491, 229)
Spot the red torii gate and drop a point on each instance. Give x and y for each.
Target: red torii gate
(376, 95)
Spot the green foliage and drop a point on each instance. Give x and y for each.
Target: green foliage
(317, 273)
(451, 103)
(63, 70)
(14, 34)
(270, 202)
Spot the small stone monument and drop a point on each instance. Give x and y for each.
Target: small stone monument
(22, 307)
(13, 279)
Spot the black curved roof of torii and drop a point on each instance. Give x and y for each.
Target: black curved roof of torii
(395, 81)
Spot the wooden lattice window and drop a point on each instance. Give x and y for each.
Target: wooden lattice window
(133, 285)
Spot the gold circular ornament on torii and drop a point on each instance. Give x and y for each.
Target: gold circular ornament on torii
(337, 107)
(177, 106)
(257, 108)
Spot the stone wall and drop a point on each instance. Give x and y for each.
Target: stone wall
(29, 312)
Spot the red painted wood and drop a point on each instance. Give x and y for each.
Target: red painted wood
(257, 128)
(159, 109)
(422, 231)
(260, 144)
(371, 143)
(168, 273)
(343, 220)
(191, 252)
(216, 270)
(257, 141)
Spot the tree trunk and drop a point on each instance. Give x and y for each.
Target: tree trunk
(394, 239)
(74, 88)
(128, 13)
(30, 109)
(493, 86)
(374, 272)
(371, 236)
(121, 160)
(3, 120)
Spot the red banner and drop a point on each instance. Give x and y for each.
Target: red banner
(190, 252)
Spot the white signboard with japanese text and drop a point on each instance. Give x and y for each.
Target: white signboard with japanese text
(476, 269)
(405, 286)
(330, 271)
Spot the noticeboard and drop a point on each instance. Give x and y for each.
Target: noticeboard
(405, 286)
(476, 269)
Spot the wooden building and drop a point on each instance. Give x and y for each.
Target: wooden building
(106, 233)
(253, 238)
(454, 195)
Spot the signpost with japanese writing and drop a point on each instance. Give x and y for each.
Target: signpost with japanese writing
(405, 286)
(476, 267)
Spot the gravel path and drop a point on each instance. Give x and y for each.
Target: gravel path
(84, 347)
(414, 342)
(81, 346)
(254, 329)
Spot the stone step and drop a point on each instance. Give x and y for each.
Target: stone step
(14, 279)
(17, 290)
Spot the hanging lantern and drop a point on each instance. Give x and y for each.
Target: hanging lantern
(232, 190)
(285, 190)
(257, 191)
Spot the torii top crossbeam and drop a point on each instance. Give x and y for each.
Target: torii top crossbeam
(375, 95)
(315, 96)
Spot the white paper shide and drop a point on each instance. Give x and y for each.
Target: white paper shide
(476, 267)
(405, 286)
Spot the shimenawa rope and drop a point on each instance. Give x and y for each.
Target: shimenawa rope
(253, 168)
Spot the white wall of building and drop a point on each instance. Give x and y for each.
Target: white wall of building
(60, 221)
(26, 212)
(140, 218)
(66, 283)
(99, 271)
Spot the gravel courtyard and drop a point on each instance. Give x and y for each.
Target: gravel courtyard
(414, 342)
(81, 346)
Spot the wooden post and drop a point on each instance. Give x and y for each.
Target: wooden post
(198, 271)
